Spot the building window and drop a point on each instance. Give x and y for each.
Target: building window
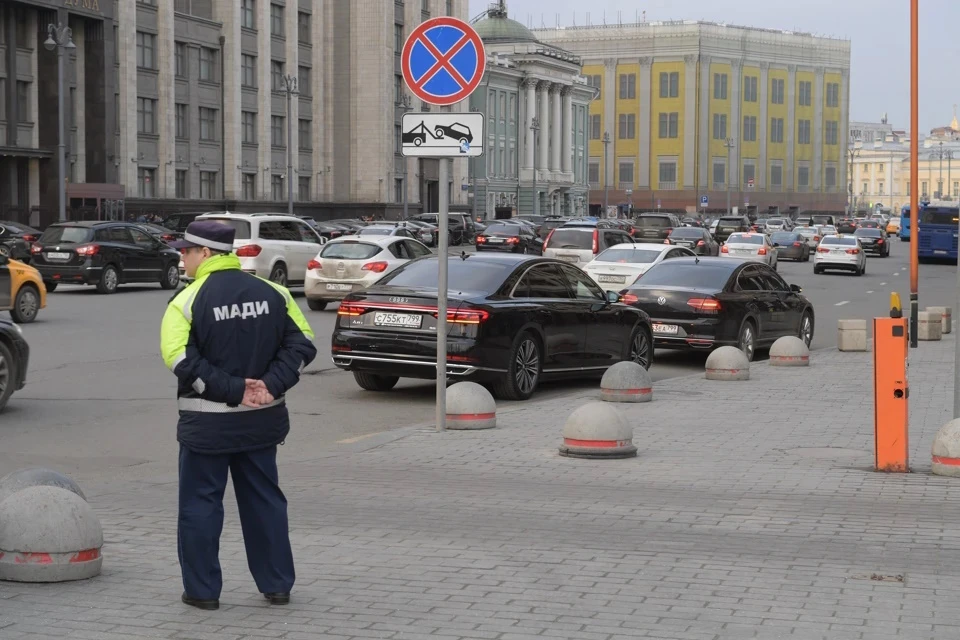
(749, 174)
(208, 64)
(803, 177)
(719, 126)
(749, 133)
(720, 86)
(276, 20)
(625, 171)
(181, 119)
(397, 139)
(303, 81)
(249, 183)
(805, 97)
(864, 188)
(181, 183)
(833, 95)
(670, 85)
(180, 59)
(832, 132)
(750, 89)
(23, 101)
(208, 185)
(669, 125)
(880, 188)
(908, 188)
(303, 28)
(398, 89)
(398, 189)
(449, 7)
(248, 127)
(303, 189)
(830, 177)
(923, 188)
(776, 91)
(276, 130)
(627, 125)
(776, 175)
(719, 174)
(276, 75)
(146, 115)
(145, 182)
(3, 93)
(593, 173)
(880, 168)
(956, 189)
(276, 187)
(304, 139)
(803, 132)
(398, 39)
(628, 86)
(208, 123)
(776, 130)
(146, 50)
(595, 127)
(668, 175)
(248, 14)
(248, 71)
(595, 81)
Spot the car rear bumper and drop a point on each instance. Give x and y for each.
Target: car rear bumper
(318, 288)
(501, 248)
(701, 334)
(84, 274)
(873, 248)
(840, 265)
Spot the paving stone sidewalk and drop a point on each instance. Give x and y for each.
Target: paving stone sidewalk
(751, 512)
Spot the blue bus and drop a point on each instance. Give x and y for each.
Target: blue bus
(937, 231)
(905, 223)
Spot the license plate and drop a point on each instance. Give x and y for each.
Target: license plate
(339, 287)
(569, 258)
(743, 252)
(837, 251)
(53, 255)
(651, 233)
(620, 279)
(405, 320)
(496, 240)
(666, 328)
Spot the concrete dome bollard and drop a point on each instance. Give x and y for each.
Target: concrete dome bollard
(470, 406)
(626, 382)
(789, 351)
(946, 317)
(946, 450)
(597, 431)
(929, 326)
(37, 477)
(728, 363)
(48, 534)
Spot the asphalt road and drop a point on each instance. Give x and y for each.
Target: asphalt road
(100, 401)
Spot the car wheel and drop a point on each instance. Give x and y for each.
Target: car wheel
(171, 277)
(25, 305)
(7, 375)
(279, 274)
(806, 328)
(109, 280)
(523, 372)
(641, 348)
(747, 341)
(374, 382)
(4, 250)
(316, 305)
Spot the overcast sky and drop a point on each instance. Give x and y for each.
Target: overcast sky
(879, 31)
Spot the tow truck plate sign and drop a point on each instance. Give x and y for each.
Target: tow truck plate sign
(433, 135)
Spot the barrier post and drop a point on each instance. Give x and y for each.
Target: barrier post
(891, 390)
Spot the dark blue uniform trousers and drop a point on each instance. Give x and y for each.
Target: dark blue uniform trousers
(263, 518)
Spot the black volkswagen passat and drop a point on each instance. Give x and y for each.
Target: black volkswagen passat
(703, 303)
(512, 238)
(513, 320)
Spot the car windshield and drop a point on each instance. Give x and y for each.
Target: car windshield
(56, 235)
(849, 242)
(376, 231)
(868, 233)
(462, 275)
(653, 222)
(783, 238)
(349, 251)
(571, 239)
(689, 275)
(687, 233)
(629, 256)
(742, 238)
(241, 227)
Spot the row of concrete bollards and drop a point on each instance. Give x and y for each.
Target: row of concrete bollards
(932, 325)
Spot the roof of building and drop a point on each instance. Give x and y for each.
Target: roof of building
(497, 27)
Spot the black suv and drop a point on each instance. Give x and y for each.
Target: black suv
(105, 254)
(731, 224)
(655, 227)
(15, 239)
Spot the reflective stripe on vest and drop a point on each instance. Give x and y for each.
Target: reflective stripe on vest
(207, 406)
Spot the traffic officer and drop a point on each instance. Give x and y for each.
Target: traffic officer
(237, 344)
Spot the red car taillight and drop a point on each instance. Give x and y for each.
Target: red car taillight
(823, 250)
(467, 316)
(705, 305)
(724, 249)
(513, 240)
(347, 309)
(545, 242)
(762, 251)
(29, 238)
(797, 244)
(629, 298)
(35, 249)
(249, 251)
(481, 239)
(853, 252)
(596, 241)
(376, 267)
(700, 243)
(880, 241)
(88, 250)
(313, 264)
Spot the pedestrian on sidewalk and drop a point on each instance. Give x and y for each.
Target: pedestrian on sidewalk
(237, 344)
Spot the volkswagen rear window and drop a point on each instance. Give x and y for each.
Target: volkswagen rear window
(571, 239)
(687, 275)
(54, 235)
(349, 251)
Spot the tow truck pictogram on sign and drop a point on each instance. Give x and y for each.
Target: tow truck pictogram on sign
(442, 135)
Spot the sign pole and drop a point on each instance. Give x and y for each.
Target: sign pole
(914, 170)
(442, 258)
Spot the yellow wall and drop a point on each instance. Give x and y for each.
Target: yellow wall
(776, 151)
(750, 150)
(625, 148)
(833, 153)
(596, 108)
(803, 152)
(667, 146)
(717, 148)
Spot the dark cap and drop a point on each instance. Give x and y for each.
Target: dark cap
(207, 233)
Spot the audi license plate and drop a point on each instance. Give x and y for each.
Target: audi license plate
(666, 328)
(402, 320)
(620, 279)
(53, 255)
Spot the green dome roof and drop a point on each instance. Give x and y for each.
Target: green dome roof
(499, 28)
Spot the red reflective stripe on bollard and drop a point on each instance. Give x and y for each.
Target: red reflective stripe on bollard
(470, 416)
(86, 555)
(33, 558)
(950, 462)
(630, 391)
(596, 444)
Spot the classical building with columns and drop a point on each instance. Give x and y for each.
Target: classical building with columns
(526, 169)
(690, 106)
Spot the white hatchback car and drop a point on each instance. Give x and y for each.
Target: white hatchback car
(750, 246)
(349, 264)
(621, 265)
(840, 252)
(811, 234)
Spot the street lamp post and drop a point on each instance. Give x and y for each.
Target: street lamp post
(406, 108)
(606, 176)
(729, 144)
(59, 37)
(288, 83)
(940, 179)
(535, 128)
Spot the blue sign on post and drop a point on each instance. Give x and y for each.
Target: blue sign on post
(704, 201)
(443, 61)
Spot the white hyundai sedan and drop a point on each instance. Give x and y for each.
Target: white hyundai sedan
(750, 246)
(352, 263)
(841, 253)
(622, 264)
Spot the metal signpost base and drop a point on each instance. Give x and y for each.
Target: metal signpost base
(442, 244)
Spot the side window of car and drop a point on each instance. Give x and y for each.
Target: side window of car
(271, 231)
(582, 286)
(416, 249)
(542, 281)
(306, 233)
(143, 240)
(400, 250)
(749, 280)
(773, 282)
(119, 234)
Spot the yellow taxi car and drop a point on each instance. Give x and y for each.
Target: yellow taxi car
(893, 226)
(22, 292)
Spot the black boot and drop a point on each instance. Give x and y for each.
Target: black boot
(278, 598)
(206, 605)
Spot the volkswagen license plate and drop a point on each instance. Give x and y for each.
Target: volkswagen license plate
(339, 287)
(671, 329)
(53, 255)
(403, 320)
(620, 279)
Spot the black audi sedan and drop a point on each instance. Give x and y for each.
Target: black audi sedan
(104, 253)
(704, 303)
(14, 357)
(874, 241)
(513, 321)
(697, 239)
(512, 238)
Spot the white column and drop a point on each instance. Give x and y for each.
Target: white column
(761, 170)
(735, 118)
(690, 121)
(568, 123)
(127, 46)
(817, 169)
(557, 124)
(790, 169)
(706, 122)
(530, 84)
(643, 125)
(543, 161)
(165, 175)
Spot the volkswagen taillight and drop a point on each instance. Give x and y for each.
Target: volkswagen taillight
(35, 249)
(705, 305)
(249, 251)
(629, 298)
